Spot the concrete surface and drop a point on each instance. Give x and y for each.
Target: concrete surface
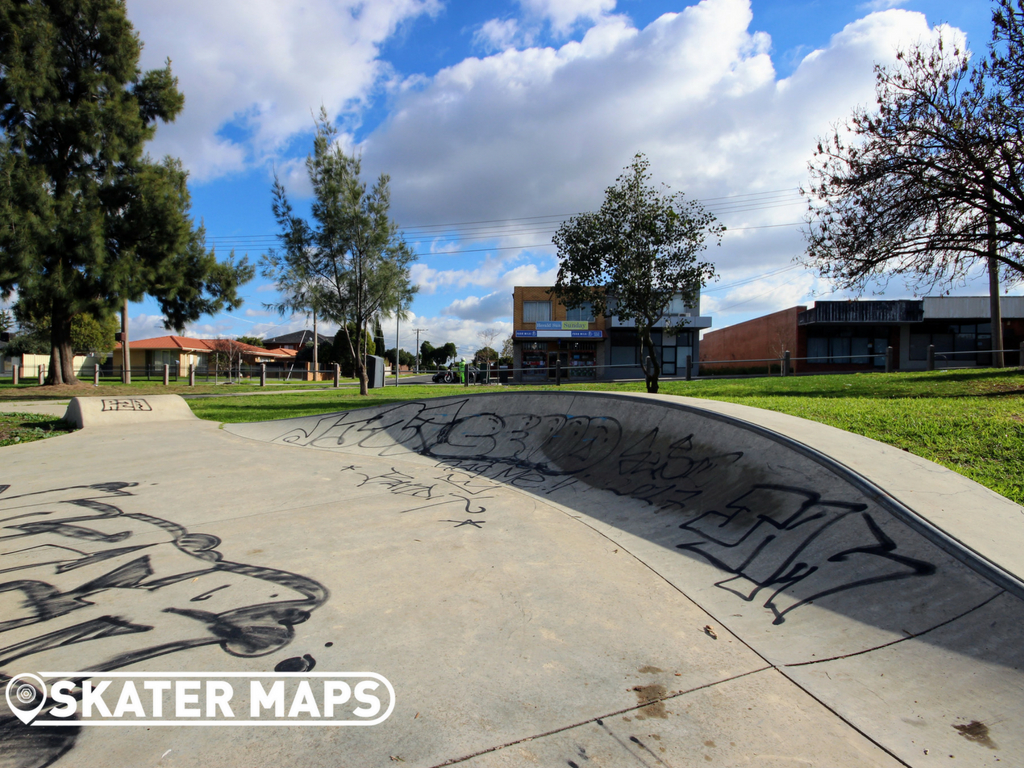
(545, 578)
(44, 407)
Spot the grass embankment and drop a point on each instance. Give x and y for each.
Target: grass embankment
(969, 421)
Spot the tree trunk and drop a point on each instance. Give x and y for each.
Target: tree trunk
(652, 373)
(62, 358)
(316, 351)
(358, 351)
(995, 311)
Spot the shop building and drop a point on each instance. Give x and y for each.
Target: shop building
(848, 336)
(546, 333)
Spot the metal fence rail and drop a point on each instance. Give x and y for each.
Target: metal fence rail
(296, 373)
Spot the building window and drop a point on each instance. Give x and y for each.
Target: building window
(862, 346)
(954, 343)
(536, 311)
(585, 312)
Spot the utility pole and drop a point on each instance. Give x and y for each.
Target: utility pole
(418, 330)
(126, 357)
(398, 352)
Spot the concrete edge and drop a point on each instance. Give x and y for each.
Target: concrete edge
(88, 412)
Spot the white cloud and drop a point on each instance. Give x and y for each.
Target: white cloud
(143, 326)
(497, 35)
(545, 130)
(464, 333)
(563, 14)
(505, 271)
(481, 308)
(263, 66)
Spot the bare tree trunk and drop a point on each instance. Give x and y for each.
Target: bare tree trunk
(651, 374)
(364, 388)
(995, 310)
(316, 351)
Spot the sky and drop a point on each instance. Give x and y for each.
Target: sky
(497, 120)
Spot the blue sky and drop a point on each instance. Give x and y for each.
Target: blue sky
(494, 120)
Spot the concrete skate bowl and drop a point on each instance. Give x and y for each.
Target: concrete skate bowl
(903, 632)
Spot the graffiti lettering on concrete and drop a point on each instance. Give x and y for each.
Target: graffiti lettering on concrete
(540, 453)
(81, 573)
(126, 404)
(796, 547)
(784, 545)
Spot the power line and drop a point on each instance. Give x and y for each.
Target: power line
(493, 228)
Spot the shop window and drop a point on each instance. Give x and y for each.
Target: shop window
(536, 311)
(585, 312)
(535, 364)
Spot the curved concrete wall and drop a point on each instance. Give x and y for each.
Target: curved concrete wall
(822, 573)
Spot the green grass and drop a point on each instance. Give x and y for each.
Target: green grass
(113, 388)
(18, 428)
(969, 421)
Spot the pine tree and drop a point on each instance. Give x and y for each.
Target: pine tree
(87, 220)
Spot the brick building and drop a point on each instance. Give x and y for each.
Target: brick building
(836, 336)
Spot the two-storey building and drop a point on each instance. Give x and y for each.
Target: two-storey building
(546, 333)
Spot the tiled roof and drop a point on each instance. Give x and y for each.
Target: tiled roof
(204, 345)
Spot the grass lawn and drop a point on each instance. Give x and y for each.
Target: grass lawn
(25, 427)
(969, 421)
(33, 392)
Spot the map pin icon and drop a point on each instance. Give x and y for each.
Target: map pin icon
(26, 695)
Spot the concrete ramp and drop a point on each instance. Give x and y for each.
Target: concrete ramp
(861, 599)
(545, 579)
(86, 412)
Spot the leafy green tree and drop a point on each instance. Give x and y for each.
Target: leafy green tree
(445, 353)
(6, 321)
(253, 341)
(341, 351)
(86, 219)
(352, 252)
(407, 359)
(485, 355)
(427, 354)
(89, 334)
(634, 255)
